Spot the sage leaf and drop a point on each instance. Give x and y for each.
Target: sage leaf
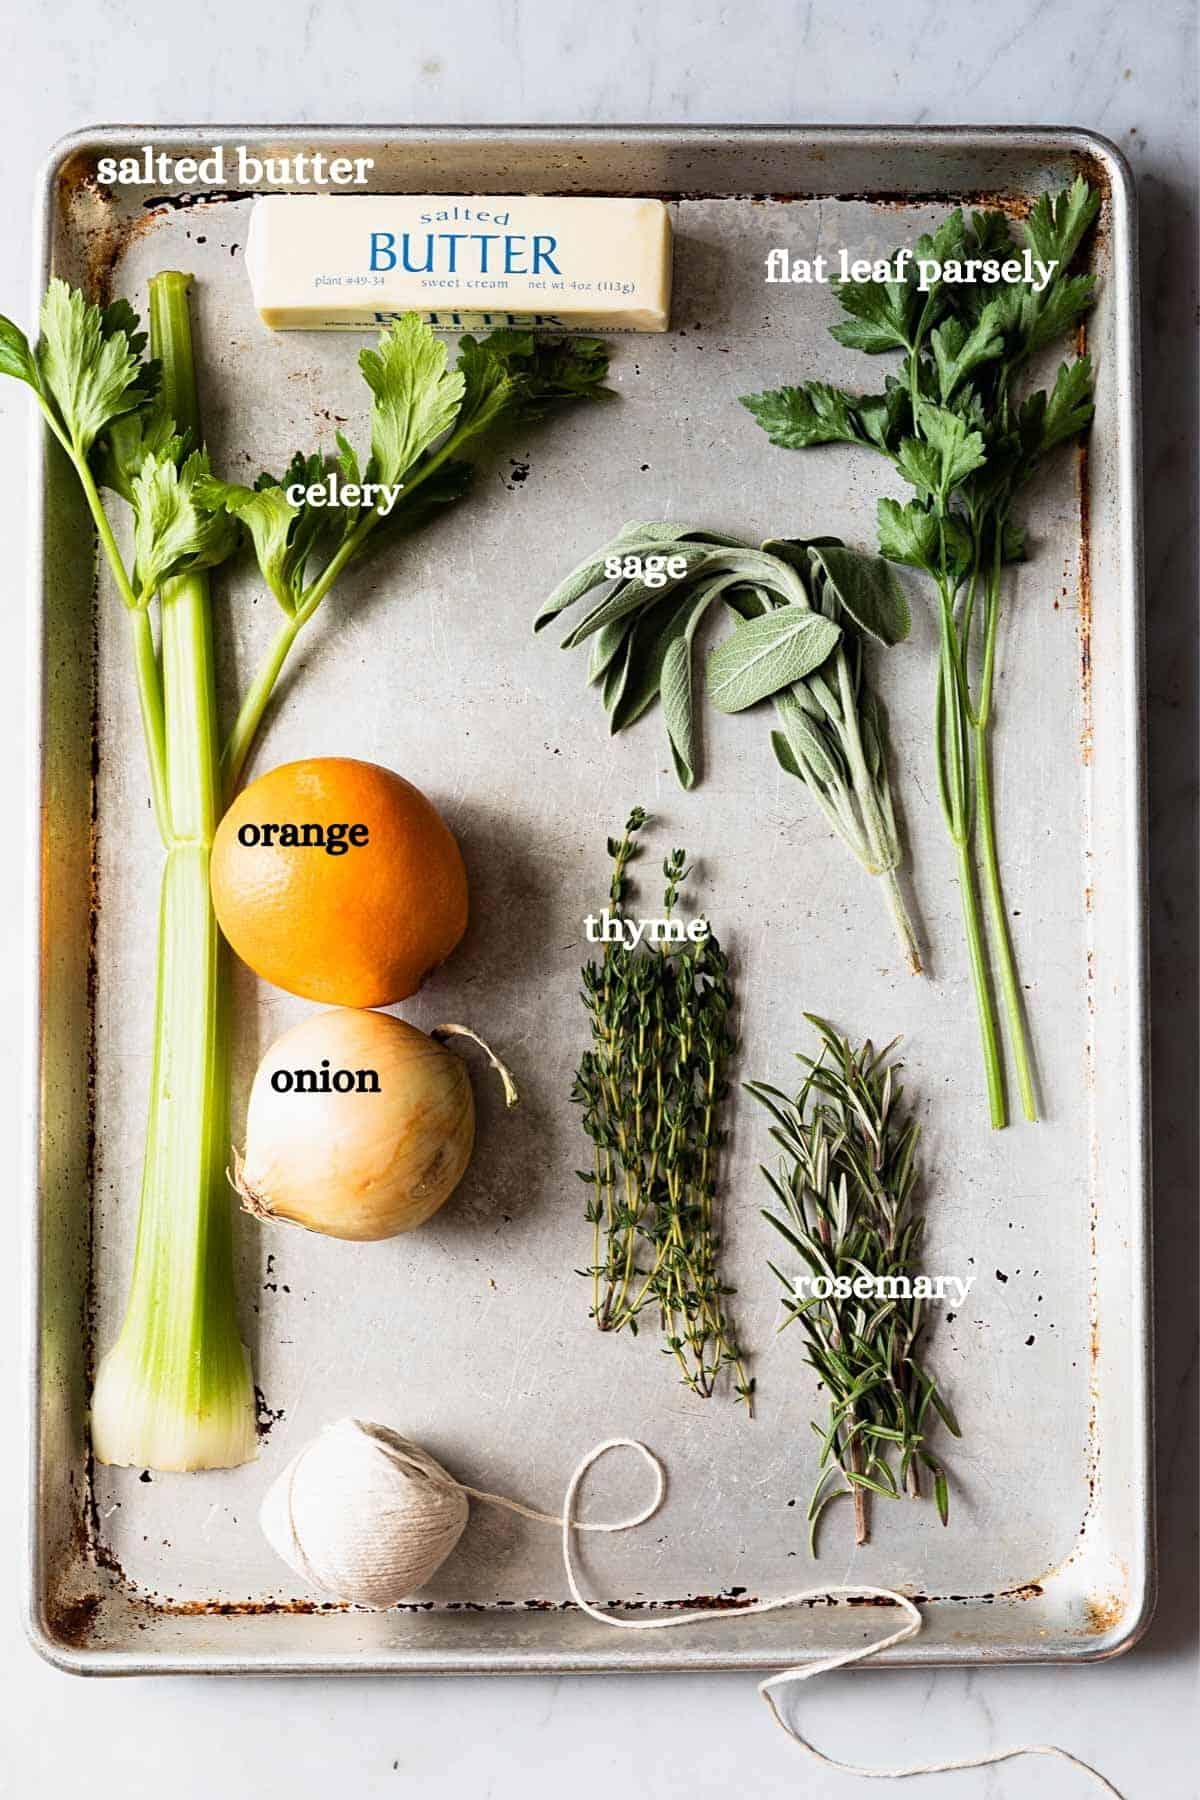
(868, 589)
(784, 754)
(676, 693)
(805, 742)
(631, 596)
(649, 638)
(766, 654)
(676, 685)
(616, 675)
(633, 536)
(605, 645)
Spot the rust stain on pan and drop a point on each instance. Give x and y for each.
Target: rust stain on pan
(732, 1600)
(73, 1622)
(1104, 1612)
(1086, 733)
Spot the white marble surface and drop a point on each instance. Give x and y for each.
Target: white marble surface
(1127, 71)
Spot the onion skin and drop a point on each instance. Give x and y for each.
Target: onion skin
(362, 1166)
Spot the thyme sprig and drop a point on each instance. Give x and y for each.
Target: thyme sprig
(652, 1085)
(846, 1186)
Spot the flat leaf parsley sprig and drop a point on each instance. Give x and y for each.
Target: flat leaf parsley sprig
(958, 422)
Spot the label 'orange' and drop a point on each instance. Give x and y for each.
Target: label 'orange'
(355, 910)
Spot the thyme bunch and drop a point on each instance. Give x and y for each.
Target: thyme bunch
(847, 1187)
(652, 1086)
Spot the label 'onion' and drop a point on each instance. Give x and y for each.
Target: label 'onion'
(375, 1159)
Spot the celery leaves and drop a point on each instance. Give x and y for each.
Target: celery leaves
(174, 529)
(416, 397)
(88, 364)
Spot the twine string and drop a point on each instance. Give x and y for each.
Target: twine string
(842, 1659)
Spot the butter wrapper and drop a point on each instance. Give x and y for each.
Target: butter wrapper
(355, 262)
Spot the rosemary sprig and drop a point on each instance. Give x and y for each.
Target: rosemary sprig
(846, 1187)
(652, 1085)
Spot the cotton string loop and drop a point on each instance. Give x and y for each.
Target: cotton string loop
(841, 1660)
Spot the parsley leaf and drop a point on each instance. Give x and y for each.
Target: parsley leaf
(883, 315)
(908, 533)
(547, 371)
(1050, 419)
(796, 417)
(959, 349)
(1057, 223)
(958, 450)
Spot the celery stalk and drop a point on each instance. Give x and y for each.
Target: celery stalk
(175, 1391)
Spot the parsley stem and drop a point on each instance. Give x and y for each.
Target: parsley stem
(953, 750)
(992, 1068)
(1001, 937)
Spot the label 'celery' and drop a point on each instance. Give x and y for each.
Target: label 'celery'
(175, 1390)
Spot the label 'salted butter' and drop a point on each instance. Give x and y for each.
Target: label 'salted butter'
(354, 262)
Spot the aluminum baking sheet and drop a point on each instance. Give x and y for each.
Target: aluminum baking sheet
(472, 1334)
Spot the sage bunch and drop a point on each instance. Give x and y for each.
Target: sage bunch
(803, 611)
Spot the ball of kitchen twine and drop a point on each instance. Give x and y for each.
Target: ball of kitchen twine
(363, 1514)
(369, 1516)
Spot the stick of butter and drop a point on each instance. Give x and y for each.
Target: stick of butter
(352, 262)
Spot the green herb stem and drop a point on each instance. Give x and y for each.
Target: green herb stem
(884, 849)
(145, 657)
(1001, 937)
(993, 1069)
(257, 698)
(150, 701)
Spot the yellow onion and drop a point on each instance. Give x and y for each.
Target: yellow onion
(359, 1125)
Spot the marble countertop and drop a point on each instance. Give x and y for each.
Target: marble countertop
(1128, 73)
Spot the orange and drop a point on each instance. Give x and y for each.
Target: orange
(366, 894)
